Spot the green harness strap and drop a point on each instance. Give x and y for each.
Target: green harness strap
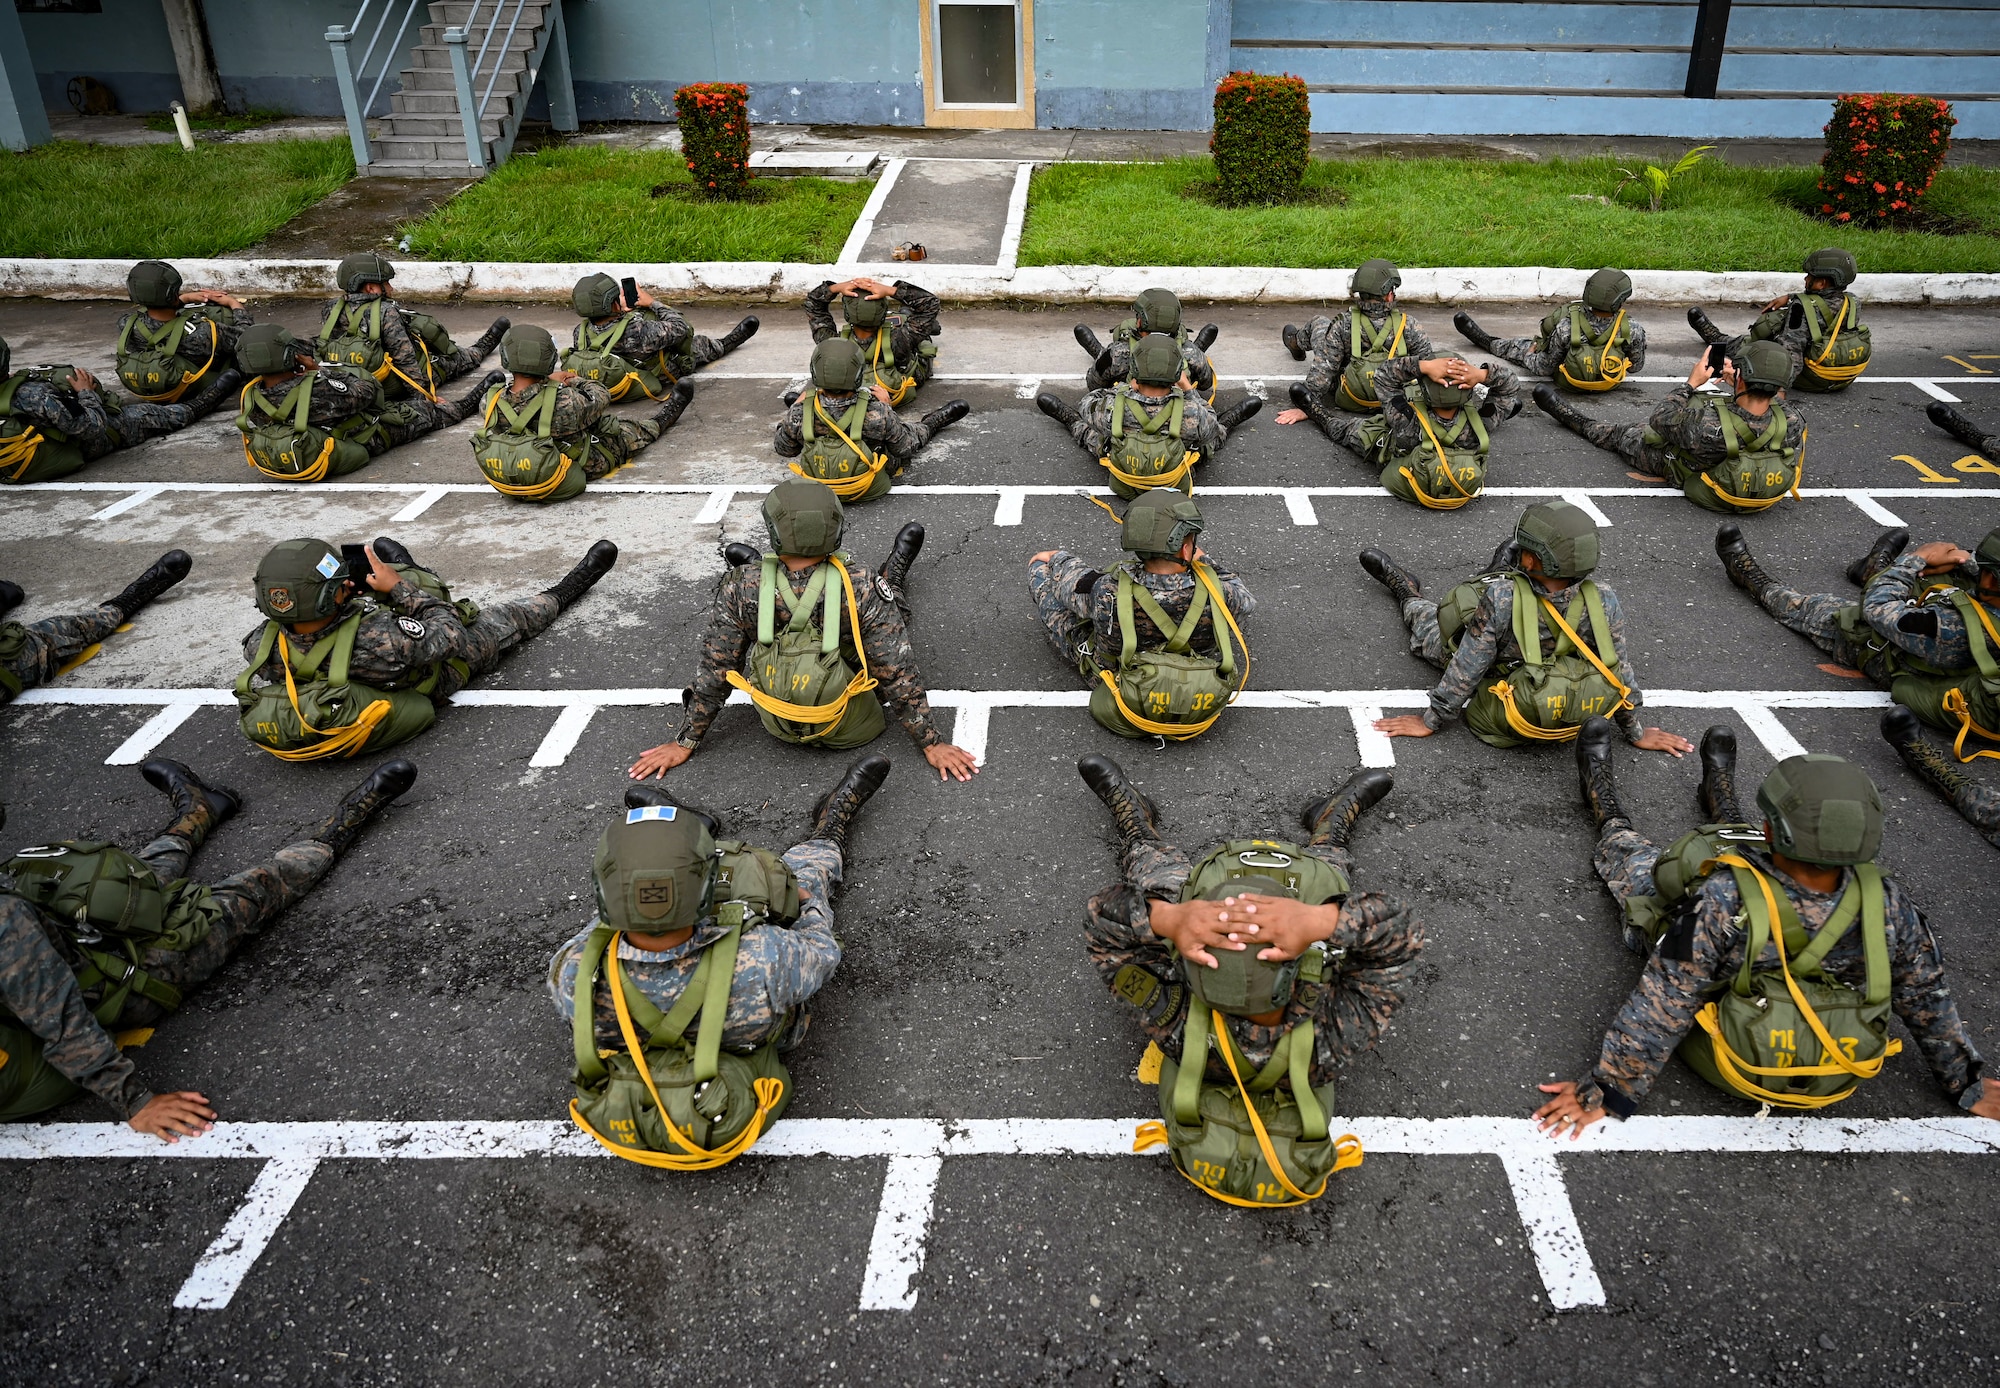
(1178, 635)
(1291, 1060)
(706, 995)
(339, 651)
(1735, 432)
(1453, 431)
(124, 977)
(822, 589)
(173, 326)
(850, 424)
(355, 313)
(1168, 422)
(537, 416)
(1864, 898)
(1392, 328)
(1816, 322)
(1975, 634)
(1528, 623)
(611, 337)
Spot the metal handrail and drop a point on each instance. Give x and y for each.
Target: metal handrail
(348, 74)
(506, 45)
(467, 71)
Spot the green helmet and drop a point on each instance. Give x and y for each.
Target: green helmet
(1156, 360)
(1157, 311)
(837, 365)
(1561, 536)
(1158, 522)
(1986, 558)
(1376, 279)
(269, 349)
(1606, 291)
(1763, 367)
(1823, 810)
(1833, 263)
(364, 267)
(154, 284)
(1241, 984)
(803, 517)
(299, 581)
(862, 312)
(1442, 395)
(596, 296)
(652, 871)
(528, 350)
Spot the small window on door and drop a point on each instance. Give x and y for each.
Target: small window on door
(979, 54)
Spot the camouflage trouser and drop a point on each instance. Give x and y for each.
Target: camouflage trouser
(817, 864)
(1816, 616)
(403, 420)
(1316, 332)
(1153, 868)
(1065, 612)
(500, 628)
(620, 440)
(1521, 352)
(132, 423)
(33, 652)
(706, 350)
(1420, 618)
(1628, 441)
(1625, 861)
(1345, 430)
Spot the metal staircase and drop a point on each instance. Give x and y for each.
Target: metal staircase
(461, 99)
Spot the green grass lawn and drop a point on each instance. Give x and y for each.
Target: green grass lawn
(1448, 212)
(587, 203)
(68, 199)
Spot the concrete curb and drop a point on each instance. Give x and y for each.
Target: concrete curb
(772, 281)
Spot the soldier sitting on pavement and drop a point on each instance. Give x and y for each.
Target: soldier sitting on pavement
(1511, 694)
(176, 337)
(547, 432)
(1259, 950)
(1588, 344)
(1153, 430)
(1429, 445)
(95, 942)
(1976, 800)
(55, 419)
(1743, 452)
(892, 324)
(34, 653)
(341, 672)
(1145, 635)
(1924, 629)
(1348, 348)
(1820, 330)
(696, 976)
(304, 420)
(643, 346)
(1755, 969)
(816, 638)
(410, 353)
(850, 438)
(1154, 311)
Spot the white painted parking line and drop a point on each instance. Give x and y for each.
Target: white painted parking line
(137, 498)
(916, 1149)
(850, 251)
(1936, 391)
(425, 499)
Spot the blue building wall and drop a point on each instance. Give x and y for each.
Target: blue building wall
(1109, 65)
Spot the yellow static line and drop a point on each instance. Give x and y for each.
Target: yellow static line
(88, 653)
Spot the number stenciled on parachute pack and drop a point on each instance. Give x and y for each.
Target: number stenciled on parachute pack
(285, 458)
(770, 674)
(268, 731)
(1204, 702)
(1590, 706)
(1850, 1044)
(800, 681)
(152, 378)
(1267, 1191)
(1208, 1173)
(1555, 703)
(624, 1131)
(1156, 701)
(1784, 1039)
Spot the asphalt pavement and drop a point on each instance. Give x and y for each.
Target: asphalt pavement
(409, 989)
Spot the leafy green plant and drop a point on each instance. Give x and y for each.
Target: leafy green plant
(1261, 138)
(1883, 151)
(1658, 180)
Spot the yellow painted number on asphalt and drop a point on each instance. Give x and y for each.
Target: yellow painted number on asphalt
(1971, 462)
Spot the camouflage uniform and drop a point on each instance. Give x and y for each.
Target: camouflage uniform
(342, 393)
(1329, 340)
(1694, 432)
(1978, 804)
(1487, 644)
(656, 330)
(1786, 325)
(1522, 353)
(1702, 951)
(193, 347)
(1392, 381)
(882, 429)
(732, 630)
(403, 346)
(97, 421)
(1082, 620)
(1935, 635)
(919, 313)
(1200, 429)
(1200, 373)
(31, 653)
(1382, 940)
(406, 631)
(779, 967)
(586, 405)
(37, 974)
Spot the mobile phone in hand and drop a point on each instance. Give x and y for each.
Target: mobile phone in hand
(354, 561)
(630, 288)
(1717, 354)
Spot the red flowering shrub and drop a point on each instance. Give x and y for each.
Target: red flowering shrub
(1260, 139)
(715, 136)
(1882, 151)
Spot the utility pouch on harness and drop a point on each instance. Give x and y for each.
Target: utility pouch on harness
(1593, 362)
(595, 357)
(1682, 867)
(30, 452)
(898, 378)
(1756, 473)
(1548, 699)
(520, 458)
(1838, 348)
(1368, 346)
(1963, 703)
(667, 1102)
(352, 336)
(800, 680)
(149, 354)
(1443, 472)
(279, 441)
(836, 453)
(1168, 691)
(1152, 454)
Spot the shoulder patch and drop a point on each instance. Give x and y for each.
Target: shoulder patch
(332, 378)
(645, 812)
(411, 625)
(882, 587)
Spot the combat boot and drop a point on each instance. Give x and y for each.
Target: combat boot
(1205, 339)
(1739, 563)
(895, 569)
(1294, 338)
(1089, 341)
(791, 397)
(671, 408)
(364, 802)
(1058, 409)
(169, 569)
(948, 413)
(1239, 412)
(1401, 583)
(1902, 730)
(467, 405)
(1593, 769)
(1705, 329)
(595, 564)
(1949, 419)
(1471, 331)
(1888, 545)
(1331, 821)
(1315, 408)
(745, 329)
(834, 815)
(1508, 556)
(1717, 793)
(11, 596)
(488, 340)
(736, 554)
(222, 388)
(192, 797)
(1138, 818)
(1102, 366)
(1560, 410)
(394, 554)
(649, 795)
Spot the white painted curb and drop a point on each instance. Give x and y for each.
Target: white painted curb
(773, 281)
